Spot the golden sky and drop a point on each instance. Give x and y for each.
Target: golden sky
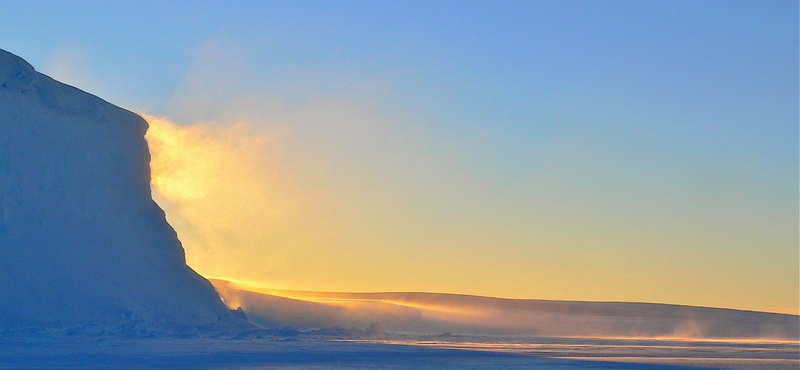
(570, 150)
(245, 212)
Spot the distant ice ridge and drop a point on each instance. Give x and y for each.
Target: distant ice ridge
(83, 246)
(436, 313)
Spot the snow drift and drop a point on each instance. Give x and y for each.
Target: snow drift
(81, 240)
(435, 313)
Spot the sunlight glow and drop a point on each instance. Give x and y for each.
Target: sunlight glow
(220, 193)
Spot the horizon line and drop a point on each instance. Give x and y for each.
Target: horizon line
(249, 286)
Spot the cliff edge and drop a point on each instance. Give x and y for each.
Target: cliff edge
(82, 243)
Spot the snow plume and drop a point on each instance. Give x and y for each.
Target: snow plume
(222, 190)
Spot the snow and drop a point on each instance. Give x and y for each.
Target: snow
(311, 351)
(83, 247)
(434, 313)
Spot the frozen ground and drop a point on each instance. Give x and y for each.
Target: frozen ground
(694, 353)
(509, 333)
(315, 351)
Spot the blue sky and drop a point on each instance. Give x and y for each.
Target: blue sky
(648, 146)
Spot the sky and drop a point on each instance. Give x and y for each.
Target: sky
(581, 150)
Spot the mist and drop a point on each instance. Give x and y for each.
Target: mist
(300, 178)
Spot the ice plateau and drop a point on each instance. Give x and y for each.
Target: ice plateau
(82, 243)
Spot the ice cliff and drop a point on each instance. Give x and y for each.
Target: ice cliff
(82, 243)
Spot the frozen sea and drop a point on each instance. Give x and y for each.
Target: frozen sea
(393, 351)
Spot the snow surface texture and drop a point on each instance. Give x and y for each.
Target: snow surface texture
(83, 246)
(435, 313)
(327, 352)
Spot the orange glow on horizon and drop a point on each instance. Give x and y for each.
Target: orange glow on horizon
(248, 209)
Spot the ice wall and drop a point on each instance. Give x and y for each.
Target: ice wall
(82, 243)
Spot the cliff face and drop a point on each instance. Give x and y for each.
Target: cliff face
(81, 239)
